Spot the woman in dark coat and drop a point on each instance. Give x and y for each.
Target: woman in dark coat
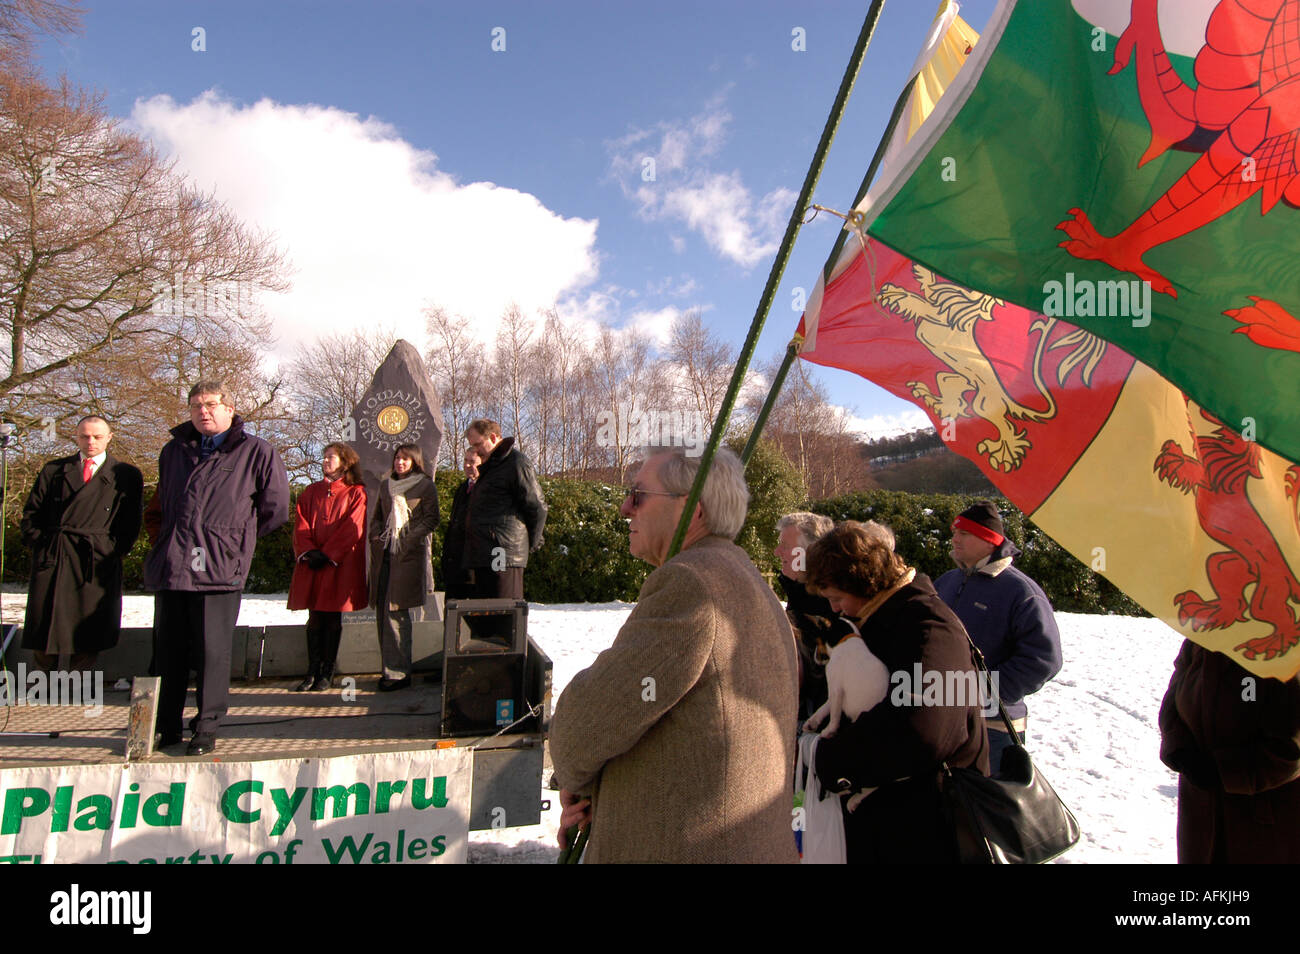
(401, 559)
(329, 578)
(900, 746)
(455, 578)
(1234, 739)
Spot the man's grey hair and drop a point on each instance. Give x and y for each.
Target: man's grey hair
(211, 387)
(811, 526)
(725, 497)
(876, 531)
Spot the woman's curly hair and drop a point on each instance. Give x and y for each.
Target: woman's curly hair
(856, 558)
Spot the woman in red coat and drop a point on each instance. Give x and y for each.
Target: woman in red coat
(329, 578)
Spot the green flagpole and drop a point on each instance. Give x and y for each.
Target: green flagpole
(576, 843)
(796, 345)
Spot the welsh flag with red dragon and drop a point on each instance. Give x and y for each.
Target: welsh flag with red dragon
(1119, 184)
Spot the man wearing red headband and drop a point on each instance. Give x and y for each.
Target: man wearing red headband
(1006, 613)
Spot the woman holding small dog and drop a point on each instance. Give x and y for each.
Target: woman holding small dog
(898, 747)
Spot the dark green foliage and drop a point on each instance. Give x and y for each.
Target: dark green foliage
(272, 566)
(775, 489)
(584, 558)
(922, 523)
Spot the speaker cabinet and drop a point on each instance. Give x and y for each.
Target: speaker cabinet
(485, 655)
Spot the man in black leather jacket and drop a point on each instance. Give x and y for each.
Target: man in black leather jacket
(505, 516)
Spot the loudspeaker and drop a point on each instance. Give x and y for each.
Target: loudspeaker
(485, 653)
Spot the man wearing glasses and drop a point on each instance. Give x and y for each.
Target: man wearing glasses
(219, 489)
(676, 744)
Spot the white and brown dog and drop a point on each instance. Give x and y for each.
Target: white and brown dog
(857, 681)
(856, 678)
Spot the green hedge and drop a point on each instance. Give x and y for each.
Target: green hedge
(585, 556)
(922, 523)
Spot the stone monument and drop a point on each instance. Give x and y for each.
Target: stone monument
(401, 406)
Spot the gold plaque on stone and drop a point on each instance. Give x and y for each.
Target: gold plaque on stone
(393, 419)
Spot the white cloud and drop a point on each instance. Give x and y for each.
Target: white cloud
(655, 325)
(679, 185)
(723, 211)
(674, 287)
(374, 230)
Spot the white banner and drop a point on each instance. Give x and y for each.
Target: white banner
(381, 808)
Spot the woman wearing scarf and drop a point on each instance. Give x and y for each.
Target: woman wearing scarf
(329, 578)
(401, 564)
(899, 747)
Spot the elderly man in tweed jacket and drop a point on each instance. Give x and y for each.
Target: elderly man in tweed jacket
(681, 734)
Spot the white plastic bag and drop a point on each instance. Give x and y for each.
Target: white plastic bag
(823, 833)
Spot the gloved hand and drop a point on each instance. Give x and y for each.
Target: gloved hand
(316, 559)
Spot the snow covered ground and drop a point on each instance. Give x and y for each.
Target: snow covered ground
(1092, 730)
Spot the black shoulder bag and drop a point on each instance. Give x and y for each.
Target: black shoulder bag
(1011, 818)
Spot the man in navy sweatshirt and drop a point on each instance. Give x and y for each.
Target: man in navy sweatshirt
(1006, 613)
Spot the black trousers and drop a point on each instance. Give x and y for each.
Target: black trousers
(324, 633)
(194, 631)
(489, 584)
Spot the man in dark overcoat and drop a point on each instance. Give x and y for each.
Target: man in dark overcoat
(81, 520)
(506, 515)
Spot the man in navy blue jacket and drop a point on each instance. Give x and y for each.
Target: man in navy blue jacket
(1006, 613)
(219, 489)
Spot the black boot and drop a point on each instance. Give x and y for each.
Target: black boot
(313, 652)
(331, 633)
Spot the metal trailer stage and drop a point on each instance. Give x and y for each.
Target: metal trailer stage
(267, 720)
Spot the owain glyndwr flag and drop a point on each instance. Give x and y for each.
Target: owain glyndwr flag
(1130, 166)
(1191, 519)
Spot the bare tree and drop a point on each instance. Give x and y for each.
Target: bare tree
(21, 21)
(120, 284)
(703, 364)
(564, 350)
(324, 382)
(629, 381)
(458, 367)
(543, 395)
(510, 370)
(107, 250)
(812, 432)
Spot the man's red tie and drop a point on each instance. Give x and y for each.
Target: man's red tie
(87, 469)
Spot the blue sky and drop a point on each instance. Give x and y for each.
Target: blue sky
(401, 160)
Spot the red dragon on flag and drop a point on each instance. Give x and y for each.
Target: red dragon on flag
(1243, 117)
(1216, 474)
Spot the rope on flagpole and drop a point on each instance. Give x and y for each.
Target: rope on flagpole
(852, 223)
(778, 269)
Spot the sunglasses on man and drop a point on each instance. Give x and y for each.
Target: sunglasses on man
(634, 494)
